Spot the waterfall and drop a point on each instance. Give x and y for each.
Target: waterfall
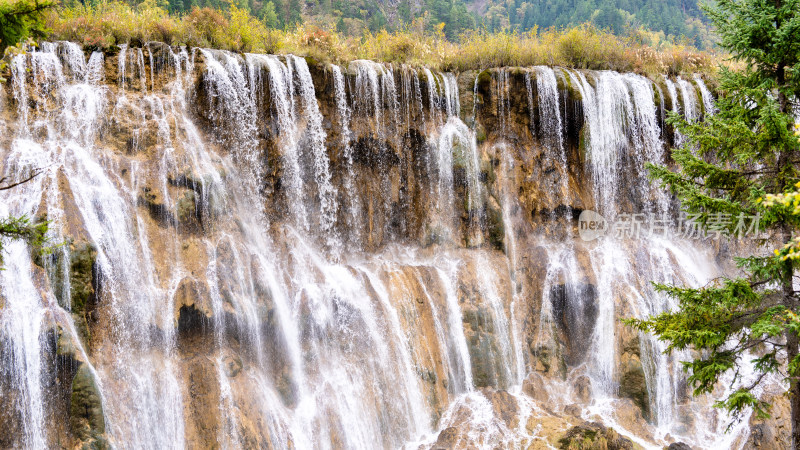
(132, 293)
(448, 276)
(458, 148)
(531, 103)
(450, 87)
(282, 94)
(674, 107)
(367, 97)
(647, 141)
(511, 342)
(416, 86)
(24, 312)
(313, 118)
(549, 113)
(343, 111)
(122, 65)
(621, 117)
(433, 94)
(218, 275)
(243, 285)
(389, 98)
(605, 134)
(444, 163)
(689, 98)
(550, 125)
(708, 100)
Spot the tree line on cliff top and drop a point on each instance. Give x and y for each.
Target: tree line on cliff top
(670, 20)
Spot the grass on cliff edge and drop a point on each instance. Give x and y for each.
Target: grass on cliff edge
(111, 23)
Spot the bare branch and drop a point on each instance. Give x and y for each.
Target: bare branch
(34, 173)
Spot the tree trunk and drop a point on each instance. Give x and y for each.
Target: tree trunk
(792, 340)
(794, 390)
(792, 350)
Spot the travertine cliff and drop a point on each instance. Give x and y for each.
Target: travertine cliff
(263, 251)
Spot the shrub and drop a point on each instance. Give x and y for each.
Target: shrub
(205, 27)
(244, 31)
(586, 47)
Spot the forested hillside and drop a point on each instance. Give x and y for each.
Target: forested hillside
(668, 19)
(672, 17)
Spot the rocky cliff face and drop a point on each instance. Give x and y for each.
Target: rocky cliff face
(263, 251)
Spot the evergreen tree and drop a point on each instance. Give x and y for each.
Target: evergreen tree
(404, 11)
(268, 15)
(294, 12)
(730, 163)
(176, 6)
(609, 17)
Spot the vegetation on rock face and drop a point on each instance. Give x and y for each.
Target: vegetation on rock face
(79, 277)
(86, 410)
(21, 227)
(733, 160)
(105, 25)
(593, 436)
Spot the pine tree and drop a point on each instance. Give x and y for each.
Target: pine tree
(294, 12)
(731, 161)
(268, 15)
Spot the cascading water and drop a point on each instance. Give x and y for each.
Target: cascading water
(675, 107)
(688, 99)
(24, 312)
(343, 112)
(647, 142)
(708, 100)
(132, 293)
(282, 94)
(325, 191)
(457, 148)
(549, 113)
(228, 276)
(508, 204)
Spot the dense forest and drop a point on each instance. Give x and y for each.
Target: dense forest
(671, 20)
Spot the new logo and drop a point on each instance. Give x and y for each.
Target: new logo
(591, 225)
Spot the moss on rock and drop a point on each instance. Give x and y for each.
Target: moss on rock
(86, 419)
(633, 384)
(593, 436)
(187, 212)
(494, 226)
(73, 281)
(81, 280)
